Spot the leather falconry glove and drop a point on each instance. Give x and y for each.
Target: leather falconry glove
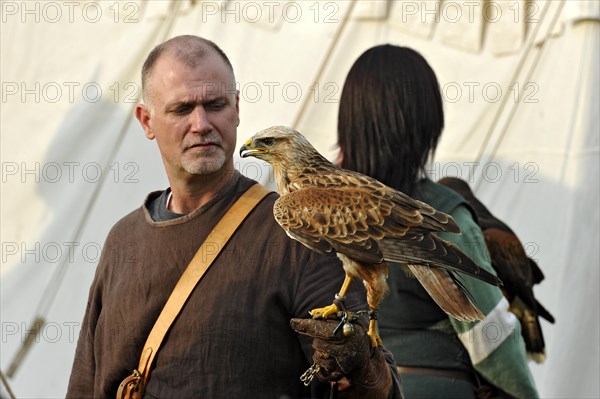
(358, 370)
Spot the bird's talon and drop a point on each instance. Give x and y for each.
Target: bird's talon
(375, 340)
(323, 313)
(374, 334)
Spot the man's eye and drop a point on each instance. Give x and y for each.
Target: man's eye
(215, 106)
(183, 109)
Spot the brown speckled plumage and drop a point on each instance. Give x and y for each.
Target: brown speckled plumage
(366, 222)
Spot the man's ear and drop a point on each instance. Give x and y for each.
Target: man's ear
(142, 113)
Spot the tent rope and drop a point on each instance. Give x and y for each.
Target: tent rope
(482, 156)
(7, 385)
(324, 63)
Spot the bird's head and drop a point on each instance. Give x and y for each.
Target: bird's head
(279, 145)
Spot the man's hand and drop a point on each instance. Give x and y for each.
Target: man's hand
(358, 370)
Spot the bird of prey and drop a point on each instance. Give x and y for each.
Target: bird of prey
(517, 271)
(366, 223)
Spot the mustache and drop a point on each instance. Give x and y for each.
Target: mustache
(213, 139)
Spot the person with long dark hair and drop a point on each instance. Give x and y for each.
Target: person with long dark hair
(390, 121)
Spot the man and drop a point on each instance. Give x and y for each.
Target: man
(233, 337)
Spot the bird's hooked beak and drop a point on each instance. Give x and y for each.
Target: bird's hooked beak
(249, 150)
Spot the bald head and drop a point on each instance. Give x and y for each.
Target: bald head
(187, 49)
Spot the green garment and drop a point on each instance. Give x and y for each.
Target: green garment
(420, 334)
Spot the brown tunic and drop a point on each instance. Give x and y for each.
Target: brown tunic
(232, 338)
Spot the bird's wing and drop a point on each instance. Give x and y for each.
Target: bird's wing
(333, 218)
(512, 264)
(515, 268)
(398, 209)
(431, 250)
(431, 220)
(485, 218)
(536, 272)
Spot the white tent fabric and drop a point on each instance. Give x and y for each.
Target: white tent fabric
(520, 81)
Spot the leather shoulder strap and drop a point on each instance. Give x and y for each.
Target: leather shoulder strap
(196, 269)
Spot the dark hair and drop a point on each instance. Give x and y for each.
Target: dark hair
(390, 116)
(185, 48)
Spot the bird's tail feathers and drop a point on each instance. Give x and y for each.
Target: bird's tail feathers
(531, 330)
(407, 272)
(451, 297)
(538, 357)
(543, 312)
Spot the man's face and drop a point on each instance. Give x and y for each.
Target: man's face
(193, 113)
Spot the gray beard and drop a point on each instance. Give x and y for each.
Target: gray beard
(199, 167)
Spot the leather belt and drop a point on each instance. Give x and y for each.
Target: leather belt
(456, 374)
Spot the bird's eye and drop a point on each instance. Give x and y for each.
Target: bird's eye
(268, 141)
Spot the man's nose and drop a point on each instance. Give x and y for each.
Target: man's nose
(199, 120)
